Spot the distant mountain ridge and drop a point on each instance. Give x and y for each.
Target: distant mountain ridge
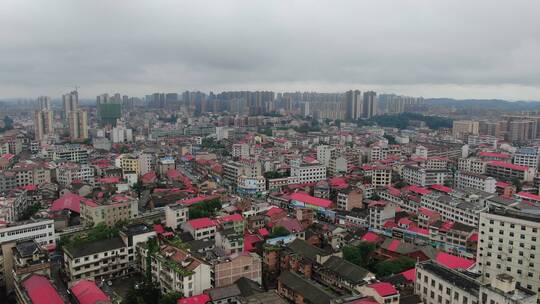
(484, 103)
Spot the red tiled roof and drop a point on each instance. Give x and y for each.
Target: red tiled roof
(371, 237)
(384, 289)
(390, 224)
(87, 292)
(528, 196)
(499, 163)
(427, 212)
(109, 180)
(291, 224)
(311, 200)
(404, 221)
(410, 274)
(442, 188)
(237, 217)
(249, 242)
(502, 184)
(172, 174)
(394, 245)
(201, 223)
(419, 190)
(158, 228)
(69, 201)
(418, 230)
(264, 232)
(41, 291)
(273, 211)
(30, 187)
(393, 191)
(198, 199)
(149, 177)
(338, 182)
(454, 262)
(199, 299)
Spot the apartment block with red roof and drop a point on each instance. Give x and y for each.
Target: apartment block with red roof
(508, 172)
(201, 228)
(382, 292)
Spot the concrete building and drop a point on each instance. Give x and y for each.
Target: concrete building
(416, 175)
(508, 172)
(528, 157)
(462, 128)
(109, 211)
(236, 266)
(176, 270)
(66, 173)
(175, 215)
(99, 260)
(471, 164)
(306, 173)
(349, 198)
(464, 180)
(78, 125)
(369, 105)
(43, 124)
(508, 244)
(437, 284)
(354, 105)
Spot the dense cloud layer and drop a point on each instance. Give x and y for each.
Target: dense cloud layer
(482, 49)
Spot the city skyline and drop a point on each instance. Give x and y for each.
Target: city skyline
(410, 48)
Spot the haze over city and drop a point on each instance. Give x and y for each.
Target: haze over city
(456, 49)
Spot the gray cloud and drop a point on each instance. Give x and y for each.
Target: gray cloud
(482, 49)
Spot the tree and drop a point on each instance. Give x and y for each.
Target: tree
(170, 298)
(394, 266)
(517, 183)
(375, 197)
(204, 209)
(279, 231)
(138, 187)
(146, 293)
(359, 254)
(391, 139)
(400, 184)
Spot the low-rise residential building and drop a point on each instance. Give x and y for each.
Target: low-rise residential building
(528, 157)
(344, 275)
(302, 172)
(13, 206)
(201, 228)
(437, 284)
(453, 208)
(101, 259)
(416, 175)
(471, 164)
(239, 265)
(176, 270)
(348, 199)
(109, 211)
(66, 173)
(382, 292)
(381, 176)
(175, 215)
(508, 172)
(464, 180)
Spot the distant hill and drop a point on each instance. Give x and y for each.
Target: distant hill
(497, 104)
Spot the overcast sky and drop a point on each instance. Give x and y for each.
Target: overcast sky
(432, 48)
